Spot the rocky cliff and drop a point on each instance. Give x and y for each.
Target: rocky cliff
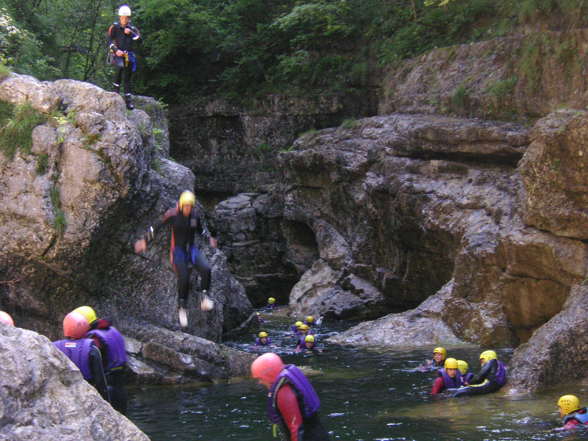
(520, 76)
(482, 221)
(231, 147)
(43, 396)
(73, 202)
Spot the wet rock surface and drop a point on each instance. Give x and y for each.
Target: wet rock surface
(43, 396)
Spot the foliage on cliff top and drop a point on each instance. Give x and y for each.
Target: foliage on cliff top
(248, 47)
(16, 129)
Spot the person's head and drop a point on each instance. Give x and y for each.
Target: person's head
(463, 366)
(568, 404)
(309, 319)
(6, 319)
(451, 367)
(303, 328)
(439, 354)
(486, 356)
(187, 202)
(309, 341)
(124, 15)
(263, 337)
(271, 301)
(75, 325)
(298, 324)
(266, 368)
(87, 312)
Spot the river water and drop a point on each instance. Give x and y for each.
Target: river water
(366, 395)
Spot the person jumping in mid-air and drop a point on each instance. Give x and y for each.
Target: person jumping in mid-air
(186, 220)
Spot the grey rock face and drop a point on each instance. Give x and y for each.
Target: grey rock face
(411, 204)
(557, 351)
(67, 232)
(232, 148)
(267, 253)
(43, 396)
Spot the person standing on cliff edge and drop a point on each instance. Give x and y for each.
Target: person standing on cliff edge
(186, 219)
(121, 36)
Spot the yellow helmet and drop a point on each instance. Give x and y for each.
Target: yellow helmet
(440, 350)
(271, 300)
(568, 403)
(262, 334)
(486, 356)
(309, 339)
(187, 198)
(309, 319)
(304, 327)
(298, 324)
(88, 313)
(463, 366)
(450, 363)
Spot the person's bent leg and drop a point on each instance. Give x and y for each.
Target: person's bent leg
(128, 78)
(183, 273)
(118, 75)
(203, 268)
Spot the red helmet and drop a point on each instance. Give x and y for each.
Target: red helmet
(266, 368)
(6, 319)
(75, 325)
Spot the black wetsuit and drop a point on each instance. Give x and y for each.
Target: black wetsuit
(184, 251)
(98, 377)
(478, 386)
(118, 40)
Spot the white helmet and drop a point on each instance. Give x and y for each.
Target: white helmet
(124, 11)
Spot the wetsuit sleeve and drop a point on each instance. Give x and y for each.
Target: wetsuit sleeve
(203, 227)
(290, 411)
(98, 378)
(438, 386)
(570, 424)
(136, 34)
(154, 229)
(112, 38)
(487, 370)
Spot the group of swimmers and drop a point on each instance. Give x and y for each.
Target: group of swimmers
(98, 350)
(303, 333)
(454, 375)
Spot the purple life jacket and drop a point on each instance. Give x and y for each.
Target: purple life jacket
(78, 351)
(451, 383)
(307, 397)
(259, 343)
(114, 344)
(580, 415)
(467, 377)
(500, 377)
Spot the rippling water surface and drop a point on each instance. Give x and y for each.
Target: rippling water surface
(366, 396)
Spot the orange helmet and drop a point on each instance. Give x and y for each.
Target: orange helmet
(6, 319)
(75, 325)
(266, 368)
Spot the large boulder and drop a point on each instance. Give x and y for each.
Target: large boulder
(412, 205)
(44, 397)
(556, 352)
(71, 209)
(554, 174)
